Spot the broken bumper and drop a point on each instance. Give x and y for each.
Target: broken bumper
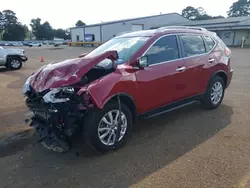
(54, 124)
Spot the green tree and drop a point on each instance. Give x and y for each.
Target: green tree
(46, 31)
(1, 22)
(10, 27)
(35, 25)
(199, 13)
(190, 13)
(27, 32)
(9, 18)
(60, 33)
(15, 32)
(239, 8)
(80, 23)
(42, 31)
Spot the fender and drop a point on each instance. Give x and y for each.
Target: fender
(219, 71)
(215, 73)
(104, 89)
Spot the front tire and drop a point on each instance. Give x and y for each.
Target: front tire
(214, 94)
(100, 128)
(14, 63)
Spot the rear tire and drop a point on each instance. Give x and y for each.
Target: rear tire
(94, 123)
(214, 94)
(14, 63)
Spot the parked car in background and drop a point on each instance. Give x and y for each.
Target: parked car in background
(12, 58)
(38, 44)
(134, 75)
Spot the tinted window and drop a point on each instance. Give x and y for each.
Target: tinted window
(210, 42)
(193, 45)
(165, 49)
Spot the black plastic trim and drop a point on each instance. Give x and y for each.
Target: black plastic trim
(170, 107)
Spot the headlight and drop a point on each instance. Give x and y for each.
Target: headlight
(26, 87)
(57, 95)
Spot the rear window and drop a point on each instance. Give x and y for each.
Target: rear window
(192, 45)
(210, 42)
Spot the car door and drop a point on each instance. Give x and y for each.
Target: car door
(197, 58)
(161, 82)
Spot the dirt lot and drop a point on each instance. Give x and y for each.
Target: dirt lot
(190, 147)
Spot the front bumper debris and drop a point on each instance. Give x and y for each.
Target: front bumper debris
(55, 124)
(48, 138)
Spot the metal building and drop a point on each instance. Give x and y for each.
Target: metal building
(107, 30)
(231, 30)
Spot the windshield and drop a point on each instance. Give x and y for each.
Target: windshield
(126, 47)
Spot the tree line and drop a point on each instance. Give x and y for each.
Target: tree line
(238, 8)
(13, 30)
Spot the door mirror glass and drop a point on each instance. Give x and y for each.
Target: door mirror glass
(143, 61)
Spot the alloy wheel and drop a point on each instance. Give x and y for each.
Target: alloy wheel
(108, 126)
(216, 93)
(15, 63)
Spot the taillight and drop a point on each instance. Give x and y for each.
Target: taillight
(227, 52)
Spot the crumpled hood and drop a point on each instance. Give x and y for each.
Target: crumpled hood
(66, 72)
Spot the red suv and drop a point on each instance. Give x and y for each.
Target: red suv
(100, 95)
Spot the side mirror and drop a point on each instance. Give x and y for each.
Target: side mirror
(143, 61)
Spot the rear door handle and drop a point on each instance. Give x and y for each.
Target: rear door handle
(211, 60)
(181, 69)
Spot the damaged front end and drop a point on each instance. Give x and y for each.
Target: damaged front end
(58, 97)
(58, 116)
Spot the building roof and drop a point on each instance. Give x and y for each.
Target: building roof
(220, 20)
(125, 20)
(222, 23)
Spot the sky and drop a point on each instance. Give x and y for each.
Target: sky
(64, 14)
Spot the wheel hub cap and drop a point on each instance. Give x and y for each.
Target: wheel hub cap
(107, 128)
(15, 63)
(216, 93)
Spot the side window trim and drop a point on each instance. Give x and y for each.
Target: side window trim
(180, 47)
(205, 43)
(215, 43)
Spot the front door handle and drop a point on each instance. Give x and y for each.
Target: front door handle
(181, 69)
(211, 60)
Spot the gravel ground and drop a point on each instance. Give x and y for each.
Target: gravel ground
(190, 147)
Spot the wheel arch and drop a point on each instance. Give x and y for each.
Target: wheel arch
(127, 100)
(13, 56)
(222, 74)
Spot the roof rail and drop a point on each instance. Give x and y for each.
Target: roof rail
(180, 27)
(124, 32)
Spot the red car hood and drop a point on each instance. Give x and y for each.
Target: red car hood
(66, 72)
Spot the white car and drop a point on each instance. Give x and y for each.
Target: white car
(35, 44)
(12, 58)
